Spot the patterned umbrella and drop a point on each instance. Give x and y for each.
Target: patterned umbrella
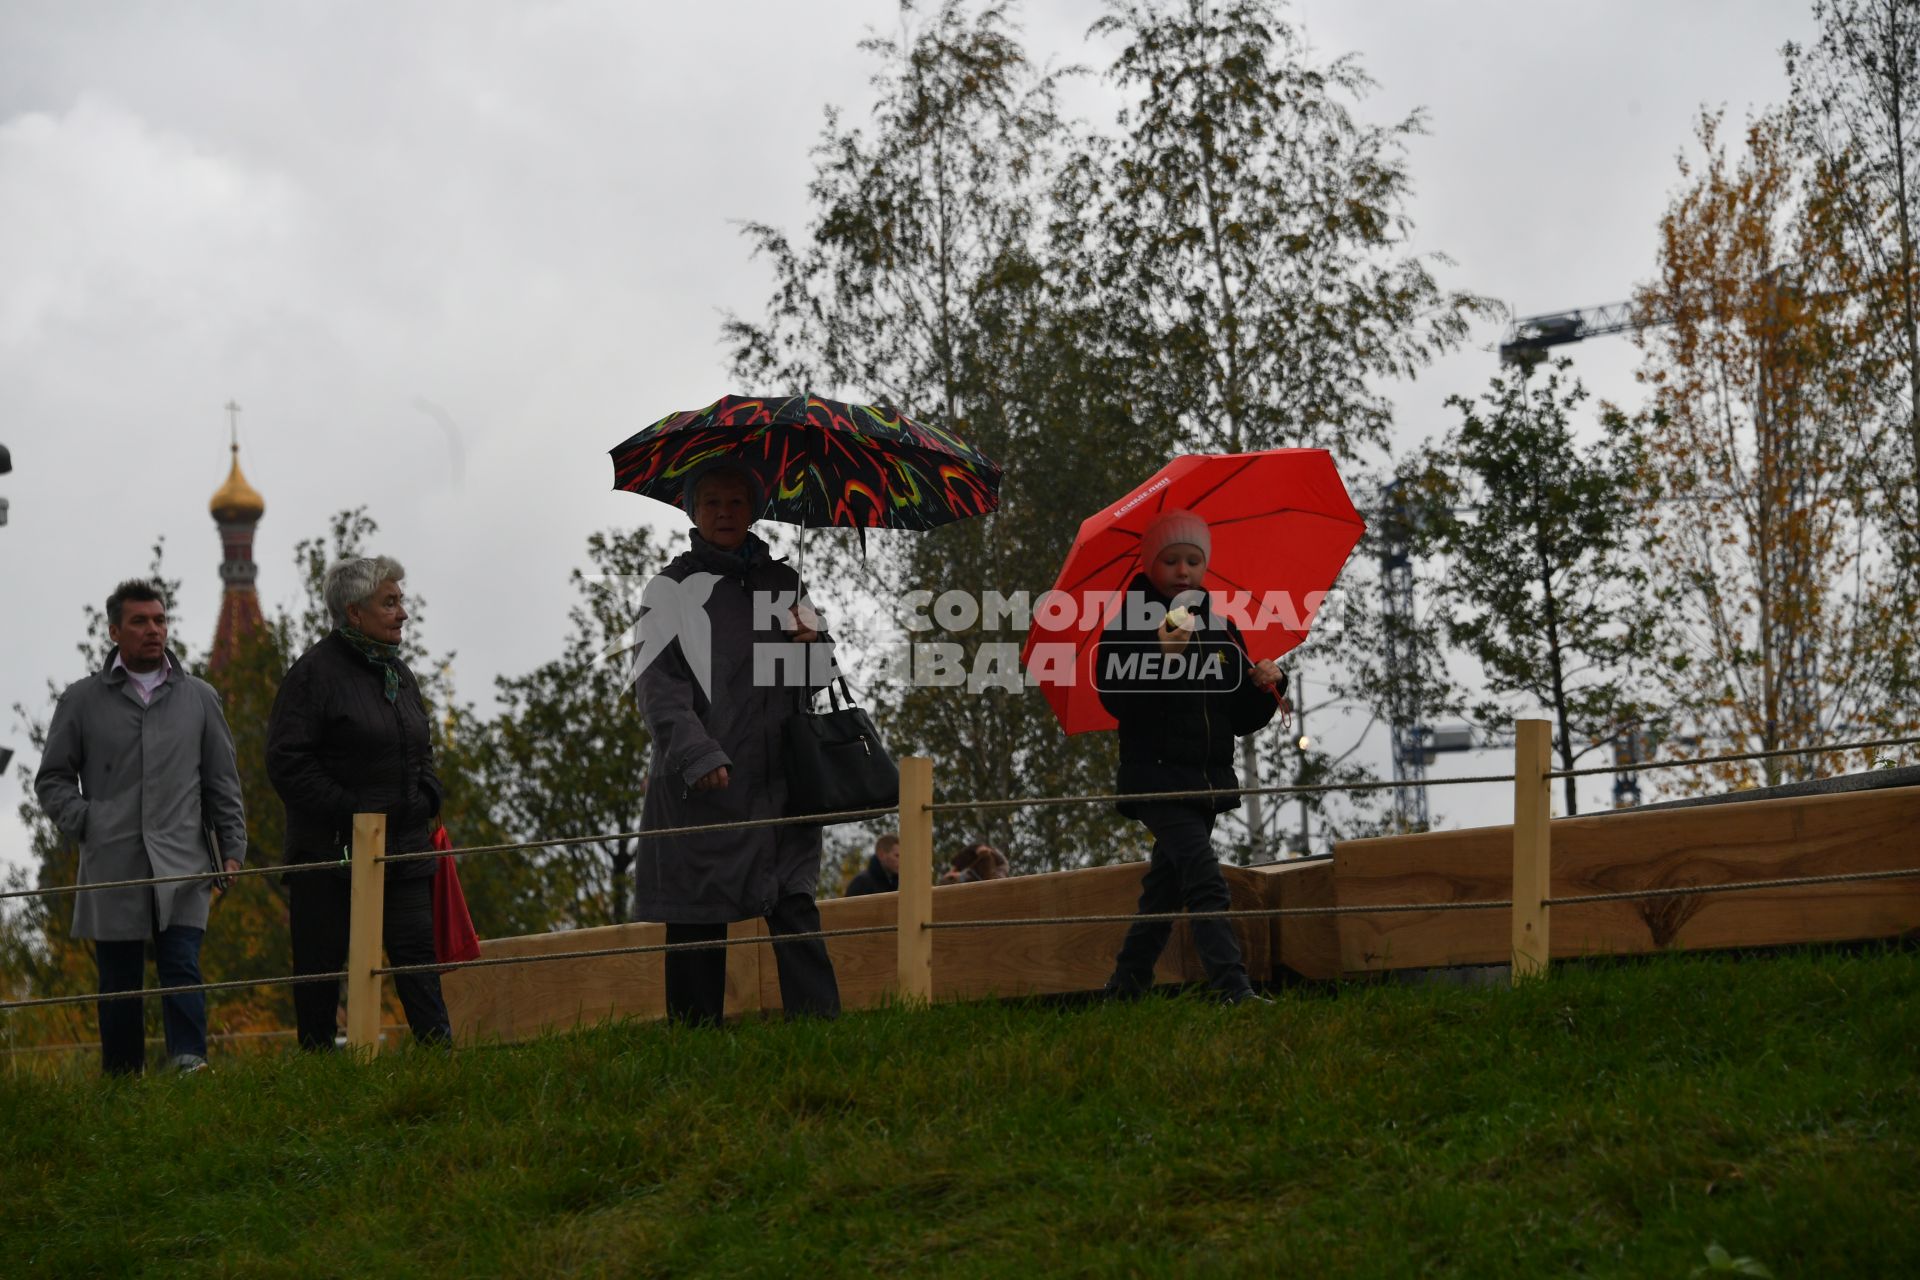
(823, 464)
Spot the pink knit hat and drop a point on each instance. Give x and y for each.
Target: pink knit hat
(1174, 528)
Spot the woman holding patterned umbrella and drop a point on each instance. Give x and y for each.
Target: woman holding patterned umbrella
(716, 704)
(717, 717)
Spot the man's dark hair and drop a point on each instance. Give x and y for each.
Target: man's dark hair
(132, 589)
(886, 841)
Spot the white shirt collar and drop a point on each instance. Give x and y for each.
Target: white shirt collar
(166, 665)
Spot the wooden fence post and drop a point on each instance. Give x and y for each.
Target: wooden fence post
(916, 879)
(1532, 848)
(366, 916)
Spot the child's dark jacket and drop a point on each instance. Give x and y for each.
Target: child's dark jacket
(1178, 734)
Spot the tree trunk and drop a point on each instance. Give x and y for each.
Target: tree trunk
(1556, 661)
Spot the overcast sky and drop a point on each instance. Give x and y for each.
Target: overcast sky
(362, 219)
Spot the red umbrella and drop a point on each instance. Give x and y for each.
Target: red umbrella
(1282, 527)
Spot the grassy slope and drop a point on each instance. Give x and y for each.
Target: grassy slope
(1611, 1121)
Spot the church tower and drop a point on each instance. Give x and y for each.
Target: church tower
(236, 508)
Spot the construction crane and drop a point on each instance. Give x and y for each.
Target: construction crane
(1403, 711)
(1415, 744)
(1529, 339)
(1526, 344)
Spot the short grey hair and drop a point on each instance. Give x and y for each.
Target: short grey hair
(354, 582)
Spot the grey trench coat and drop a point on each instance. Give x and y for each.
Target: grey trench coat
(730, 875)
(135, 785)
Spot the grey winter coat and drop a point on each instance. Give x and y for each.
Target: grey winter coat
(135, 785)
(731, 875)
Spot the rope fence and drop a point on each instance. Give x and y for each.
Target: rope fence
(222, 1037)
(1250, 913)
(657, 833)
(1641, 766)
(1738, 886)
(651, 948)
(914, 926)
(1206, 793)
(237, 984)
(60, 890)
(944, 806)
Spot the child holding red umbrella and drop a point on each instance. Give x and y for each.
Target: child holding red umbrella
(1182, 686)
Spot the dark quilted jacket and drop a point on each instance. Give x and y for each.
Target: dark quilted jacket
(337, 747)
(1178, 734)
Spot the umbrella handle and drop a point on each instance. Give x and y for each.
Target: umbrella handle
(1286, 716)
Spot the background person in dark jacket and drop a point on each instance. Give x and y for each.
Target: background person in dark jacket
(882, 874)
(717, 755)
(348, 735)
(1183, 688)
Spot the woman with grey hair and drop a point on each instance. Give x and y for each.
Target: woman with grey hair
(349, 734)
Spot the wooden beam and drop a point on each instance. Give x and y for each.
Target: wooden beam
(915, 905)
(1306, 946)
(1613, 852)
(1807, 835)
(366, 914)
(745, 965)
(512, 1002)
(516, 1002)
(1532, 847)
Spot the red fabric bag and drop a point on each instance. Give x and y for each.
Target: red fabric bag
(453, 935)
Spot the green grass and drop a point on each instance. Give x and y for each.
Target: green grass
(1614, 1120)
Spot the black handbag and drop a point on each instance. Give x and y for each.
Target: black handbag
(835, 762)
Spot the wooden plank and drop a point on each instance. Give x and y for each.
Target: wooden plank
(515, 1002)
(1306, 946)
(914, 900)
(867, 968)
(511, 1002)
(974, 964)
(366, 915)
(1532, 849)
(1035, 960)
(1716, 844)
(743, 969)
(1042, 960)
(1810, 835)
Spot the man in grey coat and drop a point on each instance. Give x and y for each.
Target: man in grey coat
(716, 699)
(139, 767)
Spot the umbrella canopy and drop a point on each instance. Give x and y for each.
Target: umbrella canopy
(1282, 527)
(822, 464)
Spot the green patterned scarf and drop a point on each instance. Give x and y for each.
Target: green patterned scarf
(384, 656)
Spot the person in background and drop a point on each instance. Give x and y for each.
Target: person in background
(349, 734)
(139, 769)
(977, 861)
(882, 873)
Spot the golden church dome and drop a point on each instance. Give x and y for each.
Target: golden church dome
(236, 500)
